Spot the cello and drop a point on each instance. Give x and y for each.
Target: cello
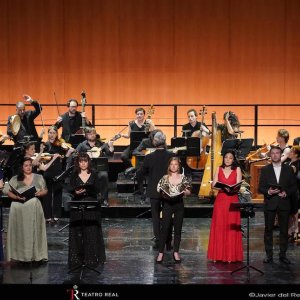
(198, 162)
(215, 159)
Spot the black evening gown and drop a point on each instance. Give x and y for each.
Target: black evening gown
(87, 246)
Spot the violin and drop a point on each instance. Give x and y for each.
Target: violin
(44, 156)
(62, 143)
(263, 150)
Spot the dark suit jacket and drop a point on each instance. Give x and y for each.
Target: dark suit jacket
(286, 180)
(145, 143)
(29, 117)
(65, 124)
(156, 166)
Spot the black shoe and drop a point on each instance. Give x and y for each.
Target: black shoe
(159, 261)
(268, 259)
(177, 261)
(285, 260)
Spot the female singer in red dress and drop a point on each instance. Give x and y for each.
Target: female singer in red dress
(225, 239)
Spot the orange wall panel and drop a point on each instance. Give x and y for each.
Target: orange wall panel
(159, 51)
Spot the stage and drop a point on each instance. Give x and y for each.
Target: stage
(131, 258)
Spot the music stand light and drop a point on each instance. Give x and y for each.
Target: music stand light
(247, 208)
(136, 137)
(241, 147)
(82, 206)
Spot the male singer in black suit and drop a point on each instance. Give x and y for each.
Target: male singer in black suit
(156, 166)
(277, 199)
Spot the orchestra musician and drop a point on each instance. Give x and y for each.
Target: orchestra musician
(107, 150)
(282, 139)
(71, 121)
(139, 124)
(194, 127)
(28, 150)
(296, 141)
(24, 122)
(231, 127)
(52, 166)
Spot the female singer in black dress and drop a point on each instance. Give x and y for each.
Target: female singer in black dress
(85, 186)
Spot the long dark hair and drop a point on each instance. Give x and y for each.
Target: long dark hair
(235, 163)
(21, 176)
(82, 156)
(233, 118)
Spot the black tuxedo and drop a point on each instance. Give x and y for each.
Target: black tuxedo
(275, 204)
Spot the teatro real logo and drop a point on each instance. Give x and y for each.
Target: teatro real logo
(74, 293)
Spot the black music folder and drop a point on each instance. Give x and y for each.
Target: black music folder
(27, 193)
(231, 188)
(167, 195)
(89, 188)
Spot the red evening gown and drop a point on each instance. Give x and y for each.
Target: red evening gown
(225, 239)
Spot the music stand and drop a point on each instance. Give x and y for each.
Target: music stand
(136, 137)
(100, 163)
(241, 147)
(82, 206)
(76, 139)
(193, 146)
(178, 142)
(247, 209)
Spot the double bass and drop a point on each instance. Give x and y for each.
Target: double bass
(198, 162)
(214, 160)
(83, 104)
